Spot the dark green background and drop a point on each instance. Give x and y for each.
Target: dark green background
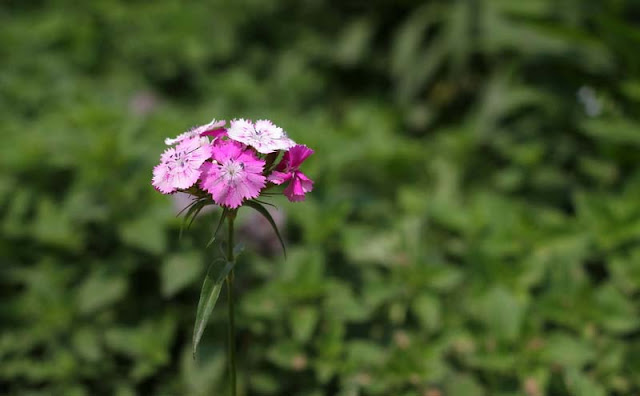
(475, 226)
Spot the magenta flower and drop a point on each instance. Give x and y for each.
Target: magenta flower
(264, 136)
(288, 170)
(214, 128)
(179, 166)
(234, 175)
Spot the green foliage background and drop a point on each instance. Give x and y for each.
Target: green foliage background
(475, 227)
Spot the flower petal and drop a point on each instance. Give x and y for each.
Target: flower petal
(235, 175)
(279, 177)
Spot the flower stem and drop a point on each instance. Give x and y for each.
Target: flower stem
(231, 335)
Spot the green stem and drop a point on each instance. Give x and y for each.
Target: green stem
(231, 339)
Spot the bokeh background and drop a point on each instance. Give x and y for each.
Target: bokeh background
(474, 230)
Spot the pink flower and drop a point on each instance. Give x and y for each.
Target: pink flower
(179, 166)
(234, 175)
(264, 136)
(287, 170)
(214, 128)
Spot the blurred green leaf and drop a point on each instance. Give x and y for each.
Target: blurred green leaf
(178, 271)
(617, 312)
(99, 290)
(462, 384)
(581, 384)
(567, 351)
(501, 313)
(143, 233)
(427, 308)
(613, 130)
(303, 321)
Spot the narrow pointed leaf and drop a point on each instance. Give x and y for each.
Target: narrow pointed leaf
(220, 221)
(195, 201)
(197, 212)
(189, 208)
(208, 296)
(265, 203)
(192, 212)
(264, 212)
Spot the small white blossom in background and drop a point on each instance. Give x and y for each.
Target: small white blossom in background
(587, 97)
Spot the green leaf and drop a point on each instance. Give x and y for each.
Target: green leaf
(223, 215)
(567, 351)
(582, 384)
(303, 322)
(264, 202)
(264, 212)
(208, 297)
(144, 233)
(613, 130)
(463, 385)
(100, 290)
(614, 311)
(427, 309)
(501, 312)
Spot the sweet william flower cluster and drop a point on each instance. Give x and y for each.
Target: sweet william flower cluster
(233, 164)
(231, 167)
